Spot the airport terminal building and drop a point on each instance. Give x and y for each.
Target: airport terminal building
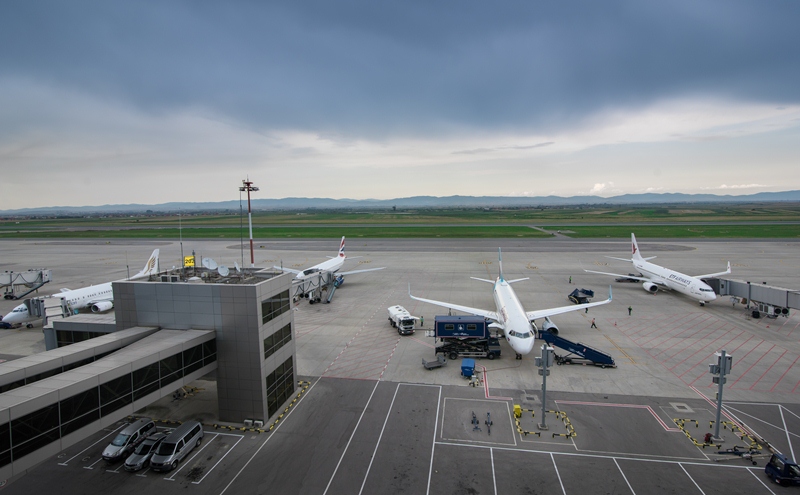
(166, 333)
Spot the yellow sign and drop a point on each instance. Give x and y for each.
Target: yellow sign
(188, 261)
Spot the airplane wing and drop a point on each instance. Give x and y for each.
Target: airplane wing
(65, 289)
(492, 315)
(630, 260)
(541, 313)
(360, 271)
(287, 270)
(712, 275)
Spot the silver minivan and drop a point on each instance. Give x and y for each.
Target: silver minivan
(177, 446)
(127, 440)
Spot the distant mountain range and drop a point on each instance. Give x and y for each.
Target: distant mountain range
(412, 202)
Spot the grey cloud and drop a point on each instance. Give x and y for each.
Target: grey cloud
(478, 151)
(360, 68)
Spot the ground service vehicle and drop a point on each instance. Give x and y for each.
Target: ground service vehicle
(401, 319)
(783, 470)
(465, 336)
(143, 452)
(127, 440)
(177, 446)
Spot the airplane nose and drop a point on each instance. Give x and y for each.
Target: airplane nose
(527, 346)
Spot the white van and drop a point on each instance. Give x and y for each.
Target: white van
(127, 440)
(177, 446)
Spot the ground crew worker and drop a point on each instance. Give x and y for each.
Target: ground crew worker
(594, 325)
(629, 310)
(422, 321)
(570, 279)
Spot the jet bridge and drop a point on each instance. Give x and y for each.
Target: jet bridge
(14, 282)
(762, 298)
(312, 288)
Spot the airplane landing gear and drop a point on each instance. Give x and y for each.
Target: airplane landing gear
(702, 303)
(519, 356)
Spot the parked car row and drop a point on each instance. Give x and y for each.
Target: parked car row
(141, 445)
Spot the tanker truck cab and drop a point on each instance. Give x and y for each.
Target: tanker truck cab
(400, 318)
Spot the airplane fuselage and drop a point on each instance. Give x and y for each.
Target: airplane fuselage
(679, 282)
(332, 265)
(518, 330)
(75, 299)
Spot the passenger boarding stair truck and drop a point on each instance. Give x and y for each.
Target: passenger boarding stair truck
(578, 353)
(400, 318)
(466, 337)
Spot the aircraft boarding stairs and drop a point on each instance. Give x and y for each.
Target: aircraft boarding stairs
(582, 352)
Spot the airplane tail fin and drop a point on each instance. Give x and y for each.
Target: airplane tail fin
(341, 249)
(635, 254)
(500, 263)
(150, 268)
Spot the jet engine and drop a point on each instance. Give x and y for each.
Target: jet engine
(549, 326)
(102, 306)
(650, 287)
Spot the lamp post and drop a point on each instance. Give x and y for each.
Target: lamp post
(248, 186)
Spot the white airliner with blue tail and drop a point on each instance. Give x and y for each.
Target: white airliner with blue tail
(655, 277)
(510, 317)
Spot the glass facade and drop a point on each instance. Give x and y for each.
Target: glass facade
(44, 426)
(64, 337)
(275, 306)
(47, 374)
(280, 386)
(277, 340)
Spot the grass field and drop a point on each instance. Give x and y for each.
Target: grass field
(683, 231)
(769, 220)
(289, 232)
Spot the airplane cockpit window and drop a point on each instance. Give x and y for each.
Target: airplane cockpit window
(520, 335)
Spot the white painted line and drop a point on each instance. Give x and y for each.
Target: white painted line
(624, 477)
(786, 429)
(433, 446)
(268, 439)
(758, 477)
(494, 478)
(90, 466)
(690, 477)
(90, 446)
(552, 458)
(600, 455)
(377, 444)
(220, 460)
(351, 437)
(186, 463)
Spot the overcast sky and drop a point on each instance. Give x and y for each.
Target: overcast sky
(111, 102)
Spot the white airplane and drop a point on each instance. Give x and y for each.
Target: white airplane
(655, 276)
(333, 265)
(97, 297)
(516, 323)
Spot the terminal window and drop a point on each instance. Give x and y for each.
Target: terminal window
(280, 385)
(275, 306)
(277, 340)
